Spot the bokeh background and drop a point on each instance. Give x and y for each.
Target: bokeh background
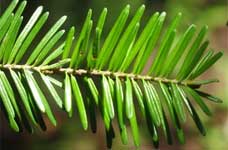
(70, 136)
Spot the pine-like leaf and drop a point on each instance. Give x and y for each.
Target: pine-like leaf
(112, 73)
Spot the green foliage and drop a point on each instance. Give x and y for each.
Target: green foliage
(107, 76)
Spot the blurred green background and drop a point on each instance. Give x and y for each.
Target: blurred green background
(70, 136)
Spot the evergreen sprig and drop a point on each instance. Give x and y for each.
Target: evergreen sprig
(108, 76)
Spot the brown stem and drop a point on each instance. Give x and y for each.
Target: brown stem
(82, 72)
